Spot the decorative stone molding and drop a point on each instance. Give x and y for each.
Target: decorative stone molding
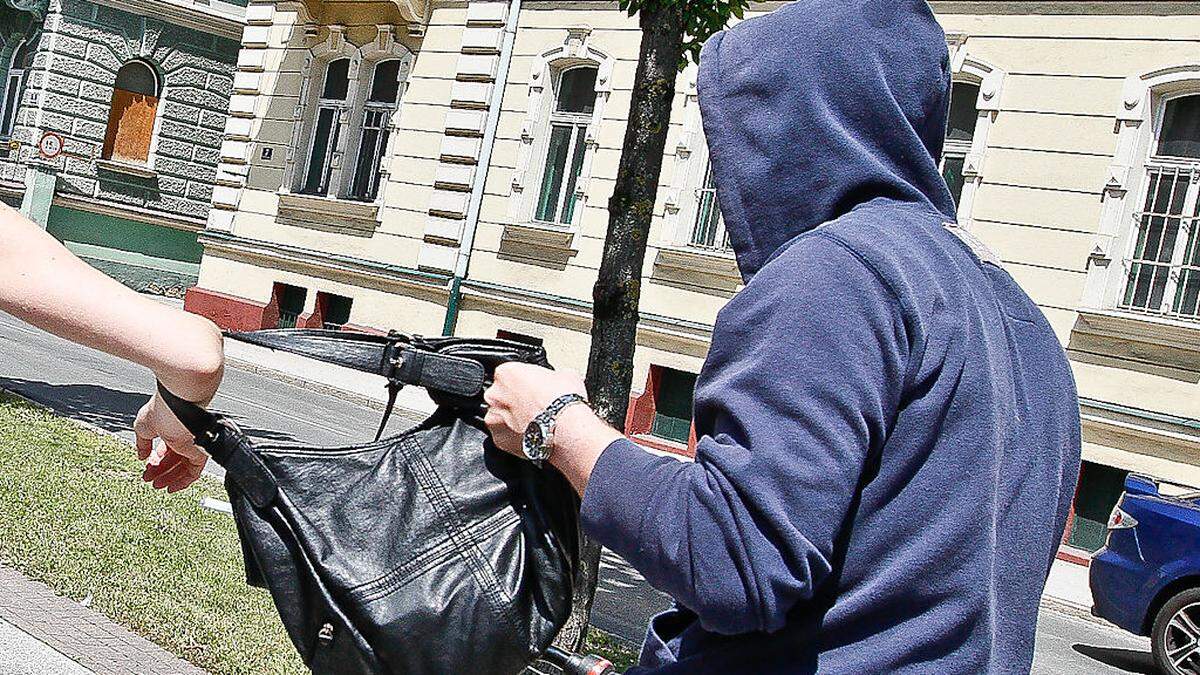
(575, 50)
(129, 169)
(689, 165)
(463, 130)
(1135, 132)
(966, 67)
(536, 245)
(697, 270)
(336, 46)
(328, 215)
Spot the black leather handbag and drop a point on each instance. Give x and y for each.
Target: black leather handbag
(429, 552)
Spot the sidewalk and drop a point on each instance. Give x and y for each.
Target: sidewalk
(1068, 584)
(45, 634)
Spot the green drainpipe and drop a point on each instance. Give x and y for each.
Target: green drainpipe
(452, 303)
(463, 261)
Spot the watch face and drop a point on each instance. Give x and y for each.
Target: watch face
(535, 441)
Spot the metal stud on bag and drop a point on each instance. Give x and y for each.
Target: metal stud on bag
(326, 634)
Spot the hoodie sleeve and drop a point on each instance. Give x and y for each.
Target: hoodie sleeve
(802, 382)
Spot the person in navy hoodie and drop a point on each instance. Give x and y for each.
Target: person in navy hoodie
(888, 431)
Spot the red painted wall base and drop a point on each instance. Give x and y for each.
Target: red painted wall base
(229, 312)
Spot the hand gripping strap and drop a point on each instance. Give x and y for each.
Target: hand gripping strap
(228, 446)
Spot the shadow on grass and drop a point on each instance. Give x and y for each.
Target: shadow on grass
(112, 410)
(1131, 660)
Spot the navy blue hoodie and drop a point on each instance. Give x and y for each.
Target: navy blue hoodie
(888, 427)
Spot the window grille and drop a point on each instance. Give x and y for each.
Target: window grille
(1162, 271)
(673, 405)
(290, 300)
(708, 231)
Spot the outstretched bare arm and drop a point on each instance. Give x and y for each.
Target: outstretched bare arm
(45, 284)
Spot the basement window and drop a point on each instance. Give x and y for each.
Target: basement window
(291, 304)
(335, 310)
(519, 337)
(673, 405)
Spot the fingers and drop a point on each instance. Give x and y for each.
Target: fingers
(173, 471)
(145, 436)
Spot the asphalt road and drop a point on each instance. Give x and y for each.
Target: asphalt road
(106, 392)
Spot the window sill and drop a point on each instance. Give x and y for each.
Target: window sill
(701, 270)
(1160, 341)
(127, 168)
(328, 214)
(536, 244)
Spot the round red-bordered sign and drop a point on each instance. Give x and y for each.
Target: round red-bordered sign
(50, 145)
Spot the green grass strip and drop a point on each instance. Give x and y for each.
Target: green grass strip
(75, 514)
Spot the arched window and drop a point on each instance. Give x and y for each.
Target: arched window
(381, 103)
(334, 92)
(132, 114)
(960, 135)
(1164, 264)
(22, 59)
(574, 102)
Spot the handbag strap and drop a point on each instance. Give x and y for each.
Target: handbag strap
(396, 356)
(228, 446)
(458, 368)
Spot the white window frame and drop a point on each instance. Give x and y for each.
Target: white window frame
(337, 109)
(384, 112)
(967, 67)
(350, 114)
(689, 174)
(1139, 119)
(525, 189)
(18, 74)
(579, 126)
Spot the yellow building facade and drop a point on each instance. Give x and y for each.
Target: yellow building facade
(424, 165)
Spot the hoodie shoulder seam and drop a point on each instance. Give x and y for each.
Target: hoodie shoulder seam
(900, 306)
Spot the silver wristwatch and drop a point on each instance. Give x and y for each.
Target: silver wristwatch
(538, 442)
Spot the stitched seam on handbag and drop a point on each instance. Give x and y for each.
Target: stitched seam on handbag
(439, 498)
(441, 544)
(424, 561)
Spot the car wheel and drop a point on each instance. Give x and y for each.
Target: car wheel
(1175, 637)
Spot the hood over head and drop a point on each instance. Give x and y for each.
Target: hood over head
(819, 107)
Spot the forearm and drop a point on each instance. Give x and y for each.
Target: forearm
(44, 284)
(579, 439)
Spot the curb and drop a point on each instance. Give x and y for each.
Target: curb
(1073, 609)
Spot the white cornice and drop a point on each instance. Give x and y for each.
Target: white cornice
(219, 18)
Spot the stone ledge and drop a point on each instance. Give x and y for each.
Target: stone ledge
(543, 245)
(342, 216)
(1148, 339)
(128, 168)
(704, 271)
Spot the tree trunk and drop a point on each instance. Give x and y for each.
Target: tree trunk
(618, 287)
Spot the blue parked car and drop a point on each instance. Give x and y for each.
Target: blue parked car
(1146, 578)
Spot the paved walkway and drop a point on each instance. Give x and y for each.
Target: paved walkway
(46, 634)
